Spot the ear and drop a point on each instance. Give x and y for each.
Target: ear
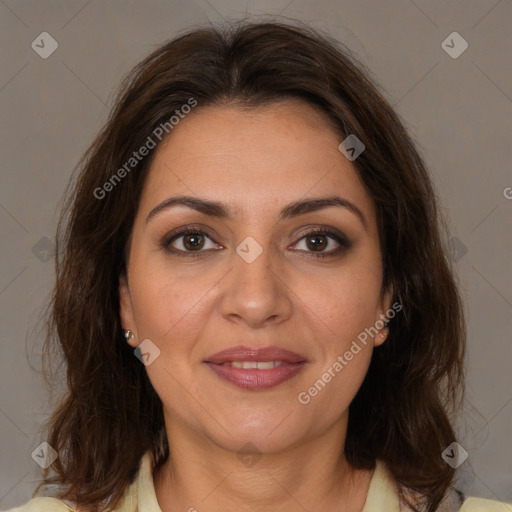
(384, 307)
(126, 310)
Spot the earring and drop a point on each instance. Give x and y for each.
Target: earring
(128, 335)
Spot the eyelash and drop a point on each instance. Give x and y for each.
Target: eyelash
(345, 244)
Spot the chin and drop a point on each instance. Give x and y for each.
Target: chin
(267, 432)
(258, 443)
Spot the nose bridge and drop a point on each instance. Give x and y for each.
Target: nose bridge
(254, 291)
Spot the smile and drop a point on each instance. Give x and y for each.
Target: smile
(260, 365)
(256, 368)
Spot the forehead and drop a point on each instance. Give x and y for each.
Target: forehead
(254, 159)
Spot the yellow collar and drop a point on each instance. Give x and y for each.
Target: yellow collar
(140, 495)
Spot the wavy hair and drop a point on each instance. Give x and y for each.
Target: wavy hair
(109, 414)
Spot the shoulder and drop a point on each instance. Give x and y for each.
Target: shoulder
(484, 505)
(139, 495)
(42, 505)
(455, 501)
(384, 487)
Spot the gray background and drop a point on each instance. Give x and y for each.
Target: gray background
(459, 111)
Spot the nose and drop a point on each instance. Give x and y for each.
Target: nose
(255, 294)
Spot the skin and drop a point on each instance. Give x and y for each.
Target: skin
(255, 161)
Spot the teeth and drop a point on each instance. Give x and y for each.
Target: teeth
(260, 365)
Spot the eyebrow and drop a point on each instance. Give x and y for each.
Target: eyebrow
(292, 210)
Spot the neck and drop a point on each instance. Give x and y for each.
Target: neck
(201, 475)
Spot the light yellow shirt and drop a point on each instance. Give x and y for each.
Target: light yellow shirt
(140, 496)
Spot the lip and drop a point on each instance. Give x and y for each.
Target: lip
(254, 378)
(244, 353)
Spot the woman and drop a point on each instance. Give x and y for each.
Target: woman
(253, 295)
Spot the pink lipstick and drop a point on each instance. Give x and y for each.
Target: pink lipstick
(256, 368)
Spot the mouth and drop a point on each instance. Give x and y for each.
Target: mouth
(256, 368)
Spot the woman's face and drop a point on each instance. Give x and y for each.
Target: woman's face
(250, 274)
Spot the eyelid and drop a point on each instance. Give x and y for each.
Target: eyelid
(339, 237)
(327, 230)
(333, 233)
(182, 231)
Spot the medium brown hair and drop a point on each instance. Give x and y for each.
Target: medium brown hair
(110, 414)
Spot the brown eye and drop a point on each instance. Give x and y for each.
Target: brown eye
(193, 241)
(316, 242)
(188, 242)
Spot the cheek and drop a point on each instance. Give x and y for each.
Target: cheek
(165, 301)
(335, 385)
(345, 302)
(168, 312)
